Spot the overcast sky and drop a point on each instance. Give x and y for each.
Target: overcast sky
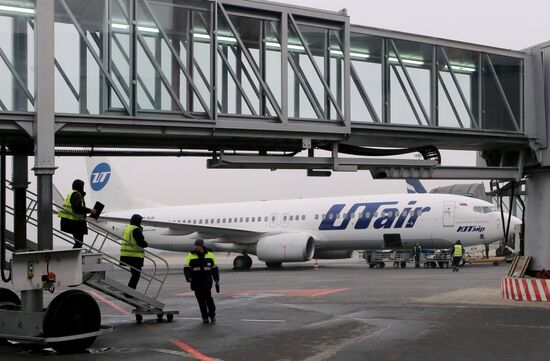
(501, 23)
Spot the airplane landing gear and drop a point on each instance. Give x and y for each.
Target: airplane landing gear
(243, 262)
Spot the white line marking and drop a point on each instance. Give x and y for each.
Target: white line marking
(271, 321)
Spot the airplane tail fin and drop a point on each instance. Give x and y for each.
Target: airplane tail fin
(415, 186)
(108, 188)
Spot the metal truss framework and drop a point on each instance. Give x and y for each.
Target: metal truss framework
(224, 73)
(248, 75)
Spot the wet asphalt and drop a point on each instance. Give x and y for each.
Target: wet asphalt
(342, 311)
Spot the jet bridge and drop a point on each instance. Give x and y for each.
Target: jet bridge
(252, 84)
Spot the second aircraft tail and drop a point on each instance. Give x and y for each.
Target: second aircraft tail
(415, 186)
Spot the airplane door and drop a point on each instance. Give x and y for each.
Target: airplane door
(449, 214)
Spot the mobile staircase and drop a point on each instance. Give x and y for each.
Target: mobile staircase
(98, 264)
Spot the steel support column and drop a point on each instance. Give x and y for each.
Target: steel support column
(537, 227)
(20, 184)
(44, 126)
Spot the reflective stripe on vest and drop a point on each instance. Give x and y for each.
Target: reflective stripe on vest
(67, 210)
(208, 255)
(458, 251)
(129, 247)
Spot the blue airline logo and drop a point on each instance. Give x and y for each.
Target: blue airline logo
(390, 217)
(470, 229)
(100, 176)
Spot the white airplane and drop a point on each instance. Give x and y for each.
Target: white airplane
(298, 230)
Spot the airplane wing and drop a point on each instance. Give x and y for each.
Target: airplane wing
(182, 228)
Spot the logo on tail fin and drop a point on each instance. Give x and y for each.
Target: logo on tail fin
(100, 176)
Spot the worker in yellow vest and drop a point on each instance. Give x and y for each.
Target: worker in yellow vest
(199, 270)
(458, 253)
(73, 214)
(131, 249)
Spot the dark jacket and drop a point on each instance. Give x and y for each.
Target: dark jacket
(200, 269)
(136, 262)
(78, 205)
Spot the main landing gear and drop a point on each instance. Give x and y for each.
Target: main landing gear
(243, 262)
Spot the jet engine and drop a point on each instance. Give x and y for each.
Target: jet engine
(287, 247)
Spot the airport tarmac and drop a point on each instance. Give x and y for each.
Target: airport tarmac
(343, 311)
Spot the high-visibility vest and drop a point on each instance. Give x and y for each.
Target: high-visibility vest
(129, 247)
(67, 210)
(207, 255)
(458, 250)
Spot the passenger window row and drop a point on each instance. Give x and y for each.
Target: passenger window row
(366, 215)
(238, 220)
(294, 218)
(329, 216)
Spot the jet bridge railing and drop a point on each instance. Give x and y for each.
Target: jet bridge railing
(153, 280)
(201, 60)
(239, 64)
(401, 79)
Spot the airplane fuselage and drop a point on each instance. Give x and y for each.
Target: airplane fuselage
(340, 223)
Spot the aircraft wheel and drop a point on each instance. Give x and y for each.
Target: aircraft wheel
(274, 264)
(139, 319)
(170, 317)
(403, 264)
(71, 313)
(160, 317)
(239, 263)
(248, 264)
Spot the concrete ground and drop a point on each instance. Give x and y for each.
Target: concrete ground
(343, 311)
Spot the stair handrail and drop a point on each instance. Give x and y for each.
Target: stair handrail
(149, 278)
(107, 235)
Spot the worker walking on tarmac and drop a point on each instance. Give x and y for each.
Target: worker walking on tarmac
(199, 270)
(131, 249)
(73, 214)
(417, 253)
(458, 253)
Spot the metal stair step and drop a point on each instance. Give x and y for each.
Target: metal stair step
(124, 293)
